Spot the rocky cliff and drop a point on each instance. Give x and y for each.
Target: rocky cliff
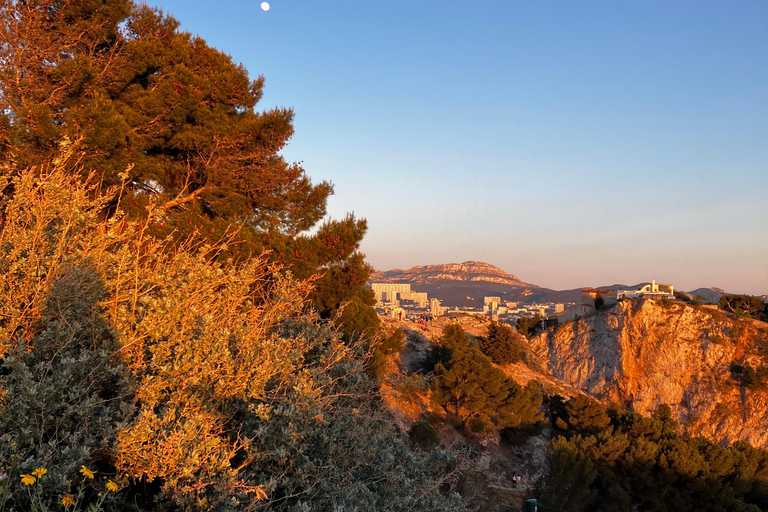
(644, 353)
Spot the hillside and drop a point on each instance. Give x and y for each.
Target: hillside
(642, 354)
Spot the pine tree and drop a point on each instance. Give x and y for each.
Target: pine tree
(142, 95)
(473, 390)
(501, 344)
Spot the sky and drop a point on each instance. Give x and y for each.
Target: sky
(569, 143)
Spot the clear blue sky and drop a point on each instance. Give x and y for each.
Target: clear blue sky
(570, 143)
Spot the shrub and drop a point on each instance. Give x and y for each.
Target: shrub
(394, 342)
(528, 325)
(423, 435)
(202, 384)
(667, 303)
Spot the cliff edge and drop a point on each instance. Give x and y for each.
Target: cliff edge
(643, 353)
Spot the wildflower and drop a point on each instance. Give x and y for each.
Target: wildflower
(112, 486)
(67, 500)
(39, 472)
(87, 473)
(28, 479)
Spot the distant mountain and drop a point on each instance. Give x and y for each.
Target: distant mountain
(712, 294)
(467, 271)
(461, 284)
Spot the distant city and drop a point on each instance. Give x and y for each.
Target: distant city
(399, 301)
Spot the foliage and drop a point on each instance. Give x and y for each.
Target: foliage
(394, 342)
(471, 389)
(200, 385)
(423, 435)
(667, 303)
(357, 319)
(682, 296)
(599, 301)
(527, 325)
(581, 415)
(388, 344)
(501, 344)
(181, 117)
(745, 305)
(453, 336)
(750, 377)
(42, 501)
(613, 461)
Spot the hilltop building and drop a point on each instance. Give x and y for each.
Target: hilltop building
(649, 291)
(586, 305)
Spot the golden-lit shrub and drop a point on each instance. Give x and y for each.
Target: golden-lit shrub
(195, 382)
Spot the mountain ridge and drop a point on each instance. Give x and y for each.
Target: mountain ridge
(466, 271)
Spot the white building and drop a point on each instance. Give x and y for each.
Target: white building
(649, 291)
(392, 292)
(436, 309)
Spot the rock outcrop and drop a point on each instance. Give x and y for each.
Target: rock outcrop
(644, 353)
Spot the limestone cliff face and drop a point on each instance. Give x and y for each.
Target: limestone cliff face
(642, 354)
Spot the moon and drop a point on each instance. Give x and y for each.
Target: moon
(264, 6)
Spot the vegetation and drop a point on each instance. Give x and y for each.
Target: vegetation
(599, 301)
(192, 383)
(603, 459)
(390, 344)
(502, 345)
(527, 325)
(167, 274)
(423, 435)
(750, 377)
(472, 390)
(745, 305)
(179, 119)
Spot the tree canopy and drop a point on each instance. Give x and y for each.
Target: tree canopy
(471, 389)
(747, 305)
(501, 344)
(174, 121)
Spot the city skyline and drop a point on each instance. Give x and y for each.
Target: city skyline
(570, 145)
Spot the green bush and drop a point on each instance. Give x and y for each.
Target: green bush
(612, 461)
(392, 343)
(423, 435)
(528, 325)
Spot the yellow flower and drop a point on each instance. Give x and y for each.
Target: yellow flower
(67, 500)
(27, 479)
(87, 473)
(112, 486)
(39, 472)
